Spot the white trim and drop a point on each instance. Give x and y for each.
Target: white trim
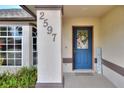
(83, 71)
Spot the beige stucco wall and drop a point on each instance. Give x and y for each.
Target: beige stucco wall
(67, 32)
(112, 43)
(112, 36)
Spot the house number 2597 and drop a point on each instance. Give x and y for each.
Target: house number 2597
(48, 27)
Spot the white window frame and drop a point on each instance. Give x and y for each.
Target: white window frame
(14, 47)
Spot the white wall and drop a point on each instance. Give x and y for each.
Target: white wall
(27, 45)
(111, 37)
(49, 52)
(115, 78)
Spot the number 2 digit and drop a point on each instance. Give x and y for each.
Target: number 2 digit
(41, 15)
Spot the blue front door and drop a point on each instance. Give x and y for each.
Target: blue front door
(82, 47)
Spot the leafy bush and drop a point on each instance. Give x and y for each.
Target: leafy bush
(24, 78)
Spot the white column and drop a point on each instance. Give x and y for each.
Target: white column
(49, 48)
(99, 60)
(27, 46)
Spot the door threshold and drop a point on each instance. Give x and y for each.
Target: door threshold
(83, 71)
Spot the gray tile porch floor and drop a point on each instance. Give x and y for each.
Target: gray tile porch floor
(86, 80)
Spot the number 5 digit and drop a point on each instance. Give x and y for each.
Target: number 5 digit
(45, 23)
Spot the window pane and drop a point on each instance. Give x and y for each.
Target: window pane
(34, 58)
(34, 61)
(11, 55)
(2, 41)
(18, 62)
(11, 41)
(18, 47)
(11, 62)
(34, 32)
(3, 34)
(18, 40)
(10, 31)
(10, 47)
(34, 48)
(18, 31)
(18, 55)
(3, 55)
(2, 58)
(2, 47)
(3, 29)
(34, 40)
(4, 62)
(34, 54)
(10, 28)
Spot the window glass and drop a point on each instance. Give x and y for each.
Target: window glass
(18, 40)
(18, 62)
(3, 55)
(10, 47)
(11, 41)
(18, 31)
(34, 47)
(3, 34)
(2, 41)
(18, 55)
(11, 62)
(34, 38)
(10, 31)
(34, 32)
(3, 31)
(4, 62)
(11, 55)
(2, 47)
(18, 47)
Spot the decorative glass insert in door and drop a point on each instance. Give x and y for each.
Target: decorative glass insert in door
(82, 39)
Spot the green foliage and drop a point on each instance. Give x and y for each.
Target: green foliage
(24, 78)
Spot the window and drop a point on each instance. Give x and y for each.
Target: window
(34, 37)
(10, 45)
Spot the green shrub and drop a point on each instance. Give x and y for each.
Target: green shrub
(24, 78)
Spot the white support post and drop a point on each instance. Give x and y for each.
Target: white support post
(99, 60)
(49, 48)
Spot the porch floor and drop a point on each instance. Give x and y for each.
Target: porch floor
(86, 80)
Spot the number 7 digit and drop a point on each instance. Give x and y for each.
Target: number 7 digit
(54, 37)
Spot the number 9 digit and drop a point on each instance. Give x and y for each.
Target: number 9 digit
(49, 29)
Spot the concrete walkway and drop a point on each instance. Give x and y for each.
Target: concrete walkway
(86, 80)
